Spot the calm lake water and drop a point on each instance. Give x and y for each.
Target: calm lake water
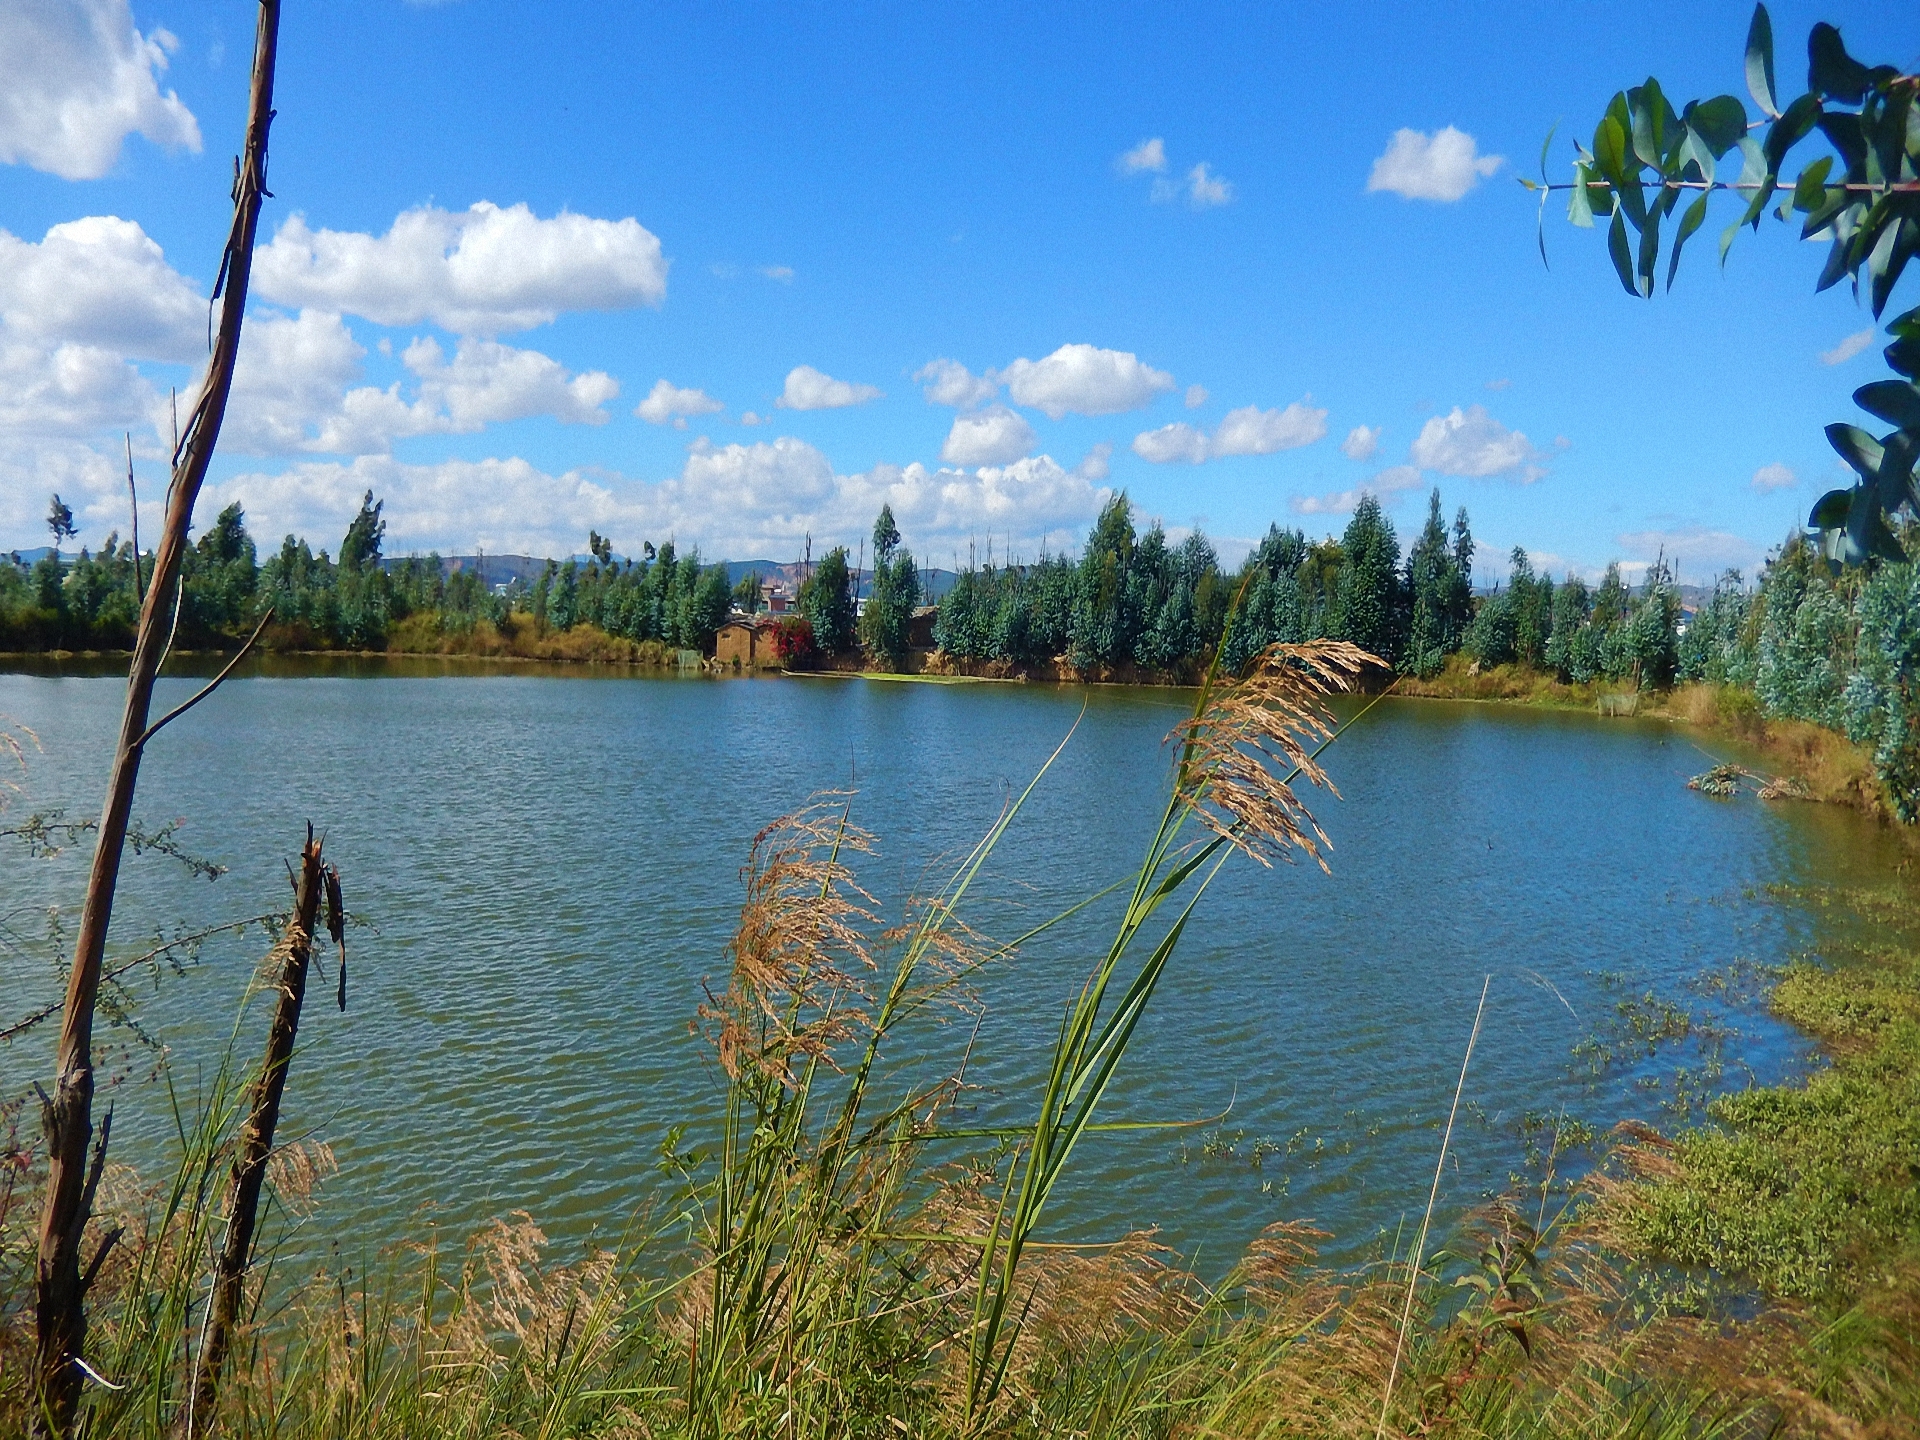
(550, 862)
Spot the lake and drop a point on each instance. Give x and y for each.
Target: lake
(549, 865)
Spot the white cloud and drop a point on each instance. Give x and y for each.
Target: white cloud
(948, 382)
(1472, 443)
(100, 281)
(1246, 431)
(76, 78)
(750, 418)
(1172, 444)
(1774, 477)
(1700, 551)
(488, 383)
(1848, 348)
(993, 436)
(1201, 188)
(810, 389)
(737, 501)
(1386, 486)
(1196, 396)
(1499, 384)
(782, 273)
(1084, 380)
(667, 402)
(1094, 464)
(68, 391)
(1443, 167)
(291, 392)
(1253, 431)
(1205, 190)
(1362, 443)
(1147, 155)
(480, 271)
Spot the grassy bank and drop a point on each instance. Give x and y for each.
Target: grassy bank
(1828, 766)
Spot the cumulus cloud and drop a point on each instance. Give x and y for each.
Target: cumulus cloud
(1472, 443)
(668, 404)
(1083, 380)
(810, 389)
(1196, 396)
(948, 382)
(1386, 487)
(76, 308)
(993, 436)
(1094, 464)
(76, 79)
(1774, 477)
(738, 501)
(100, 281)
(1147, 155)
(1443, 166)
(1172, 444)
(1246, 431)
(481, 271)
(1848, 348)
(291, 390)
(1362, 443)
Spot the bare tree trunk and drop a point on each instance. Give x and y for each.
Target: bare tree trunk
(256, 1141)
(60, 1290)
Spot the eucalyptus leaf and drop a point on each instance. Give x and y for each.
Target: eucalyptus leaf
(1720, 123)
(1691, 221)
(1790, 129)
(1760, 61)
(1903, 356)
(1857, 448)
(1579, 202)
(1895, 401)
(1830, 510)
(1831, 70)
(1622, 257)
(1810, 190)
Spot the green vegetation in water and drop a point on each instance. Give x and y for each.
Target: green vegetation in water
(1809, 1190)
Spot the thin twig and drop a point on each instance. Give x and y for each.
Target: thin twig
(210, 686)
(1420, 1245)
(133, 501)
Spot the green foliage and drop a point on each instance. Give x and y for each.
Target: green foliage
(92, 602)
(886, 621)
(60, 520)
(1646, 158)
(826, 599)
(1367, 594)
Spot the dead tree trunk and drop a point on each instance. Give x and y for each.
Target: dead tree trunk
(256, 1137)
(60, 1289)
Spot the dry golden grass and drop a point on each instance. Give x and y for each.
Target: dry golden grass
(1241, 752)
(518, 639)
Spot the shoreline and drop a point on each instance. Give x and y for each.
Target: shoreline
(1830, 767)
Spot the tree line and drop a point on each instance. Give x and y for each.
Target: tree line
(353, 599)
(1837, 648)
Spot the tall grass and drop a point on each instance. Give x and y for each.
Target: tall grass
(845, 1259)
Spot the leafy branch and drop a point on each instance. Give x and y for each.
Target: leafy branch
(1646, 157)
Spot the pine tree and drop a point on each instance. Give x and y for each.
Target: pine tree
(1367, 593)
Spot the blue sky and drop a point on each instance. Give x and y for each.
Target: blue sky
(497, 228)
